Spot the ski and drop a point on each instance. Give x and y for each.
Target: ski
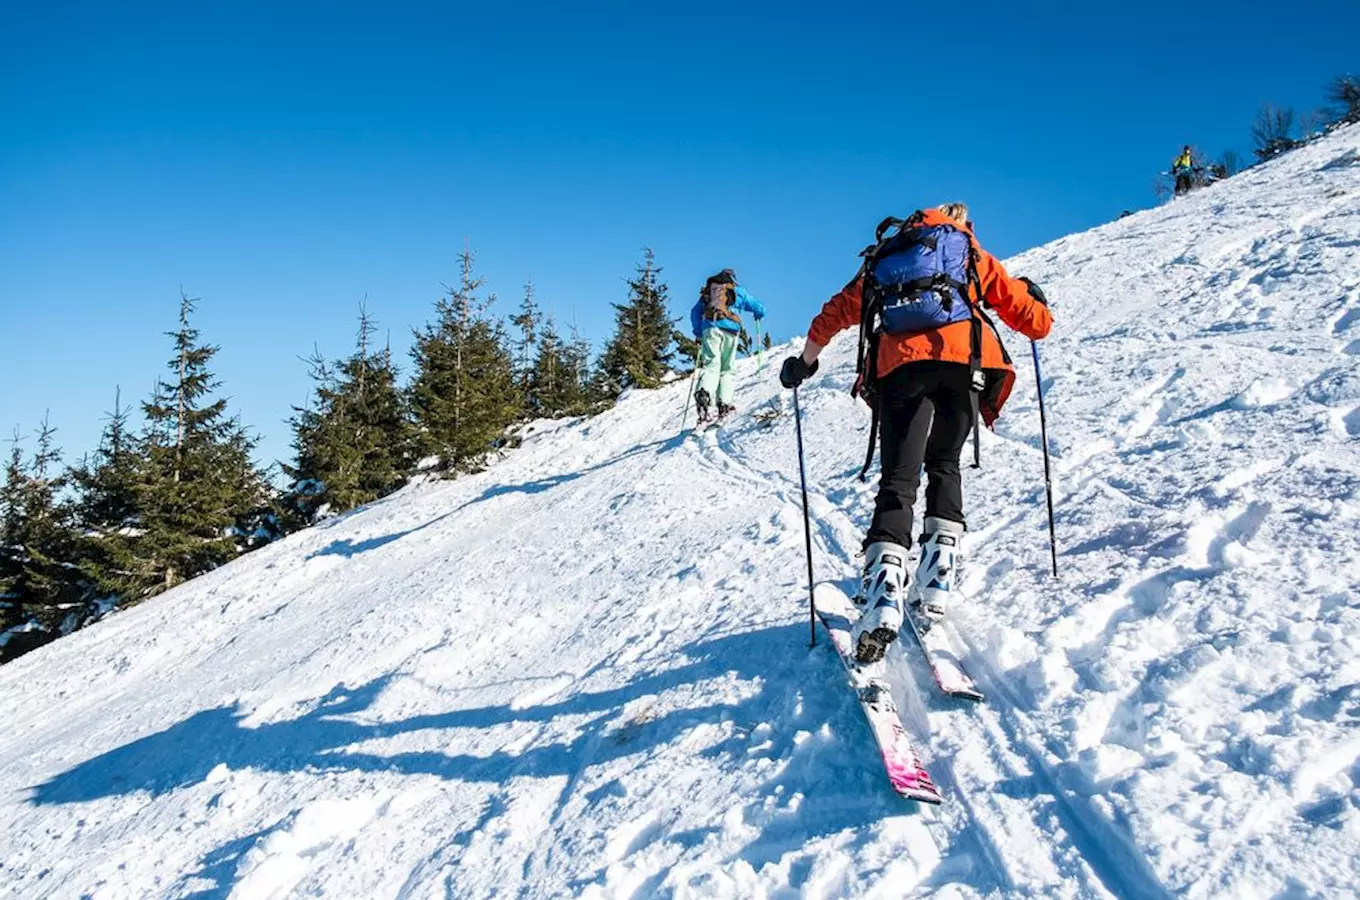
(941, 656)
(905, 771)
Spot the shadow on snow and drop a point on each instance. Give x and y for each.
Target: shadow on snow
(833, 771)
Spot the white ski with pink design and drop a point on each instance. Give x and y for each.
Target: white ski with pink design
(905, 771)
(941, 655)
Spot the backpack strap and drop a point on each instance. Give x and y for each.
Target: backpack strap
(866, 363)
(866, 387)
(882, 230)
(977, 377)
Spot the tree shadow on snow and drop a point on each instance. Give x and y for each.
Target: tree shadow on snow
(789, 713)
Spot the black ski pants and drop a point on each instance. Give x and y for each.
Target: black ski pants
(925, 415)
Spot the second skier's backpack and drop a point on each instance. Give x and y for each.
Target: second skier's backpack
(717, 296)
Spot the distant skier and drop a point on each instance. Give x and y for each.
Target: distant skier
(717, 328)
(930, 363)
(1183, 170)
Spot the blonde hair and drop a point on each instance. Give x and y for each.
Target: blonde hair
(956, 211)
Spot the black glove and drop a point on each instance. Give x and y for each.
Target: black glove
(1035, 291)
(794, 371)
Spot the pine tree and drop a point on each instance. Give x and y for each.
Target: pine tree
(549, 377)
(198, 490)
(562, 383)
(55, 582)
(12, 522)
(686, 348)
(316, 451)
(353, 443)
(382, 423)
(41, 586)
(465, 394)
(640, 352)
(747, 343)
(587, 392)
(106, 508)
(314, 448)
(527, 321)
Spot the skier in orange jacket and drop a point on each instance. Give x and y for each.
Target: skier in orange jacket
(931, 362)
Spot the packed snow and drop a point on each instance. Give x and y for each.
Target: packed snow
(586, 672)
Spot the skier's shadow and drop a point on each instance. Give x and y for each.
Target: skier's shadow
(794, 710)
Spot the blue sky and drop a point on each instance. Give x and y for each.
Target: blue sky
(283, 161)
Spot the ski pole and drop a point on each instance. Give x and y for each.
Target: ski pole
(684, 417)
(760, 349)
(1048, 479)
(807, 524)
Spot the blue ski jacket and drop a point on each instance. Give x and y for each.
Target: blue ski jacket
(744, 303)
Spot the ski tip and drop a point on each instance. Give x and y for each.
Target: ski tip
(926, 793)
(914, 784)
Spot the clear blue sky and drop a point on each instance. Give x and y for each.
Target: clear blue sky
(283, 160)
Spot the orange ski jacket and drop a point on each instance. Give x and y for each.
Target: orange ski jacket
(1008, 297)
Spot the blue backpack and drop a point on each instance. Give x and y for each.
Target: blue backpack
(918, 278)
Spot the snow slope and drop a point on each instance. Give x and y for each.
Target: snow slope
(585, 672)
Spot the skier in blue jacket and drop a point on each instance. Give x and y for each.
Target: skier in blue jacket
(717, 328)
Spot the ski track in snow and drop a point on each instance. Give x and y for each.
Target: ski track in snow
(585, 672)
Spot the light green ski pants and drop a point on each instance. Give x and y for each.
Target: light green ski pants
(717, 355)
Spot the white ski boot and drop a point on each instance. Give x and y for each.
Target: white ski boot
(941, 547)
(883, 591)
